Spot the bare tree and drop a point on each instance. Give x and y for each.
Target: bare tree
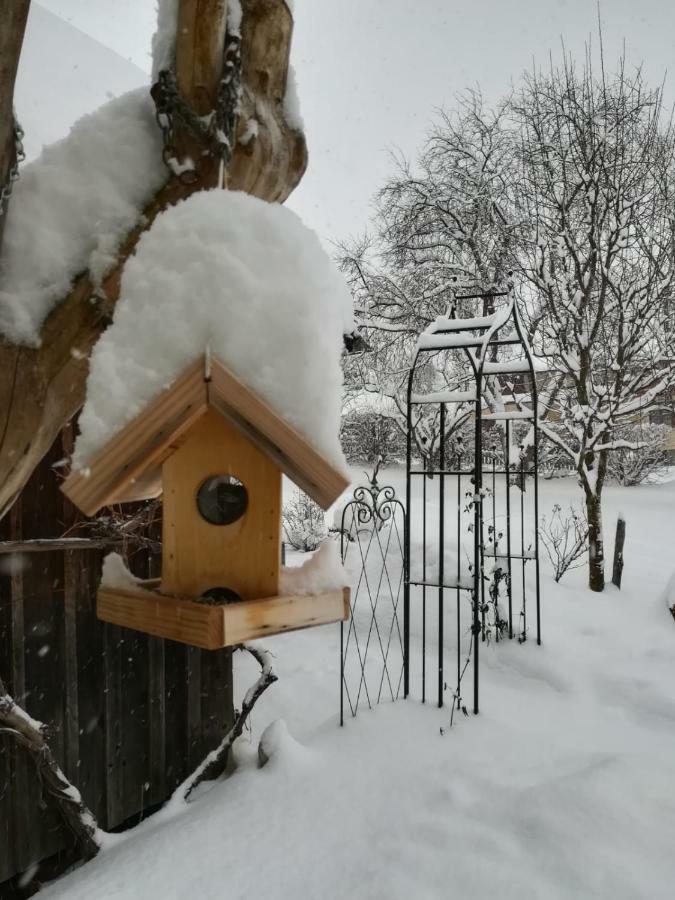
(569, 185)
(596, 187)
(438, 225)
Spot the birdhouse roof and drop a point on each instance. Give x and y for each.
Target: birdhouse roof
(129, 466)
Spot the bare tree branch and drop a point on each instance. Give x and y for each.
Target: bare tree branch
(214, 764)
(30, 735)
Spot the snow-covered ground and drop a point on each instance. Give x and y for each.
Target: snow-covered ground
(563, 786)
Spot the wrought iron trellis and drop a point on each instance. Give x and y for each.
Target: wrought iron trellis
(371, 642)
(480, 341)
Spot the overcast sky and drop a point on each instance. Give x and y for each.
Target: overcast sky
(371, 72)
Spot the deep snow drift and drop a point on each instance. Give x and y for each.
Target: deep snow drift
(563, 786)
(244, 279)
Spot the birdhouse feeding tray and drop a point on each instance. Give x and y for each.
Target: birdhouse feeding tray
(217, 452)
(145, 608)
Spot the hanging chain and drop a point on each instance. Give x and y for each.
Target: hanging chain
(215, 130)
(13, 174)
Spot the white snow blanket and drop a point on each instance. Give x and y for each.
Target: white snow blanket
(244, 279)
(322, 571)
(73, 206)
(563, 788)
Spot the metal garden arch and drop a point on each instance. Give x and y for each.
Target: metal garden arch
(501, 540)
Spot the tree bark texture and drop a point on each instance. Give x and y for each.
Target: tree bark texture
(41, 389)
(13, 15)
(596, 552)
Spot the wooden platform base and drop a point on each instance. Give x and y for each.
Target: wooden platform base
(211, 627)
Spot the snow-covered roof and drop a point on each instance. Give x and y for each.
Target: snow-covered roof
(226, 273)
(130, 465)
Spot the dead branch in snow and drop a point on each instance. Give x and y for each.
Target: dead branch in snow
(215, 762)
(30, 735)
(115, 527)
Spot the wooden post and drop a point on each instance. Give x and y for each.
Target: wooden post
(617, 569)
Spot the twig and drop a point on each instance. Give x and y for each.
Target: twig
(48, 545)
(565, 539)
(214, 764)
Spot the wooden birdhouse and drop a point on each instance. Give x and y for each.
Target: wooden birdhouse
(217, 452)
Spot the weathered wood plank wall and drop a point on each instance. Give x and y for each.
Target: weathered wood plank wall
(129, 715)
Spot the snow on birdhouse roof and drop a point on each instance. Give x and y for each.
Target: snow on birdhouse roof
(225, 273)
(129, 466)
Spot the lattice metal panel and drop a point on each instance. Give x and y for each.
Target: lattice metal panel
(371, 641)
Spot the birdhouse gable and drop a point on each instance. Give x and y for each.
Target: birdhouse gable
(129, 466)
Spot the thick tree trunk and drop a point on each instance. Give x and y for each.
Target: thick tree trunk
(40, 389)
(13, 15)
(596, 552)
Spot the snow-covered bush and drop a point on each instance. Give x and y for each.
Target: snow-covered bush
(643, 455)
(553, 462)
(369, 436)
(565, 538)
(304, 523)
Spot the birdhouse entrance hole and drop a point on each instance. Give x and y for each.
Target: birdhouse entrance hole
(217, 596)
(222, 499)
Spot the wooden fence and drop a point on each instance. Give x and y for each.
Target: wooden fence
(129, 715)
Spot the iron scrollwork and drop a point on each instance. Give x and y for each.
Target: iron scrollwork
(371, 643)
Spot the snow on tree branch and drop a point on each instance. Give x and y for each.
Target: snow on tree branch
(31, 735)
